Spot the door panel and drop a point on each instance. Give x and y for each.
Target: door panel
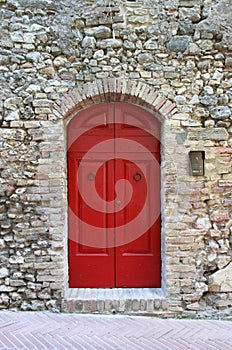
(134, 260)
(138, 261)
(86, 262)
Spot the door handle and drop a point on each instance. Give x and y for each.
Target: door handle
(118, 202)
(137, 177)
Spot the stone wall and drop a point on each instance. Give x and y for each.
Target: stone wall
(173, 58)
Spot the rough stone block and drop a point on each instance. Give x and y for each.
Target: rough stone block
(209, 134)
(179, 43)
(221, 281)
(220, 112)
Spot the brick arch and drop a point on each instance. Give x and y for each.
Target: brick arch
(114, 90)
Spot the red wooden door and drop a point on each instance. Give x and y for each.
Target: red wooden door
(120, 253)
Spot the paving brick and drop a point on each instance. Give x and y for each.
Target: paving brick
(44, 330)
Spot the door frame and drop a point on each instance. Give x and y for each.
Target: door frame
(161, 291)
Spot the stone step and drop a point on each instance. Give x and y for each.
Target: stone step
(119, 300)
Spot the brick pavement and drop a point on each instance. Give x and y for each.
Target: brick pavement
(44, 330)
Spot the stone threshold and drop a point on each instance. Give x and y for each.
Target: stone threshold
(150, 301)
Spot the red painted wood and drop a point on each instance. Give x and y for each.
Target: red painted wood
(89, 266)
(137, 263)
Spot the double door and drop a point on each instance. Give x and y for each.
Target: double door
(114, 198)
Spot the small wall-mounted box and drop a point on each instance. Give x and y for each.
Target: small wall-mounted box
(196, 159)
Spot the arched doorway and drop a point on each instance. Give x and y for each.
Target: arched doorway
(114, 198)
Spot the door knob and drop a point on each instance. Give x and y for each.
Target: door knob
(91, 176)
(137, 177)
(118, 202)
